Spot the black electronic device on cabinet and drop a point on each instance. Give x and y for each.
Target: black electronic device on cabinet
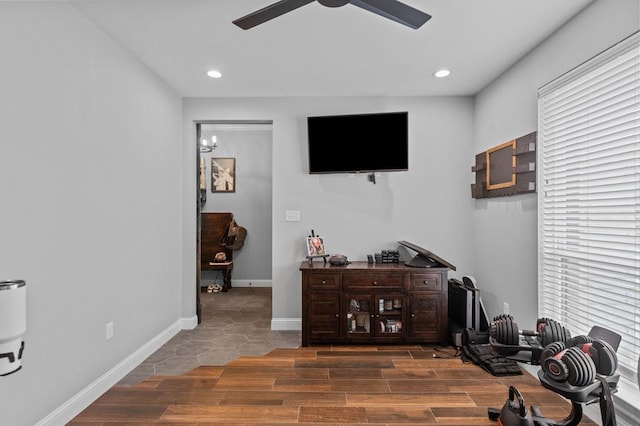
(425, 258)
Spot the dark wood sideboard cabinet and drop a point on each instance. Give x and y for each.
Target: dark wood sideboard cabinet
(362, 303)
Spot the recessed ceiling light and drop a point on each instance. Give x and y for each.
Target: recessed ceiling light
(442, 73)
(214, 73)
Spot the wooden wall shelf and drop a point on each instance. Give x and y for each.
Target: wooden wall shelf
(506, 169)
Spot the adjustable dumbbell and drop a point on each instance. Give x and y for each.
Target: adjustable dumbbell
(601, 352)
(579, 360)
(505, 331)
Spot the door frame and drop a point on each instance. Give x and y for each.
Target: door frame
(198, 124)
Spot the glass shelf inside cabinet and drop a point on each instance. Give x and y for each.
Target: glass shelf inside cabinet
(359, 316)
(390, 320)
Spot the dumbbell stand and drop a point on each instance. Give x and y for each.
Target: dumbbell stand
(528, 349)
(577, 395)
(573, 419)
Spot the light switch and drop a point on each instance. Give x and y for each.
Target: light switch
(292, 215)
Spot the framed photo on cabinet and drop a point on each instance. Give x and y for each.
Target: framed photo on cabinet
(315, 247)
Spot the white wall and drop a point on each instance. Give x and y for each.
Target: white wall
(430, 205)
(90, 182)
(506, 228)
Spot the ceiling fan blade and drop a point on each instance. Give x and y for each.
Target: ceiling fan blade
(267, 13)
(394, 10)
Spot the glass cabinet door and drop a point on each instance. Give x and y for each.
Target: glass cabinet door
(389, 319)
(377, 315)
(359, 313)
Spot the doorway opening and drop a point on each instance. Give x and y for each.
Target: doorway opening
(243, 150)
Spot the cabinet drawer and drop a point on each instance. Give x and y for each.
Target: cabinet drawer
(425, 282)
(321, 281)
(380, 281)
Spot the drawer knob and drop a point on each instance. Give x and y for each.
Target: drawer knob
(375, 282)
(324, 282)
(413, 315)
(426, 281)
(337, 315)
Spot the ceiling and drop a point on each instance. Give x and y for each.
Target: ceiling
(321, 51)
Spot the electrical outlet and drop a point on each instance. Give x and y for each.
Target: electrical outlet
(109, 331)
(505, 308)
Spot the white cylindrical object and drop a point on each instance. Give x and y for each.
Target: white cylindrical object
(13, 324)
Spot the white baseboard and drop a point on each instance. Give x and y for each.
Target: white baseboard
(286, 324)
(74, 406)
(238, 283)
(188, 323)
(251, 283)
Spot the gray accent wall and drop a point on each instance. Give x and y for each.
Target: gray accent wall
(506, 229)
(90, 183)
(429, 205)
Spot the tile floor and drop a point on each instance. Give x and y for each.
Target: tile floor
(234, 323)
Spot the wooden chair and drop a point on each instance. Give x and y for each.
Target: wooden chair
(213, 228)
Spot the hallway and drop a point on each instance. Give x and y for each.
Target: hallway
(234, 323)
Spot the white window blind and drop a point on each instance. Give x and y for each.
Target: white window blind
(589, 199)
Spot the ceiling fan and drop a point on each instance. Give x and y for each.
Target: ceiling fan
(392, 9)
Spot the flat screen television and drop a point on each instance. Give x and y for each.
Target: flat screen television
(358, 143)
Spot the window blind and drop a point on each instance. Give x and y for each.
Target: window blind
(589, 199)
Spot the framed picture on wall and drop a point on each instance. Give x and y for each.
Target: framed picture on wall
(223, 174)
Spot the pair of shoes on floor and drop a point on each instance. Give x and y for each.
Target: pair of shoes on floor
(214, 288)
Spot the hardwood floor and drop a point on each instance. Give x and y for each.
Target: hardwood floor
(374, 385)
